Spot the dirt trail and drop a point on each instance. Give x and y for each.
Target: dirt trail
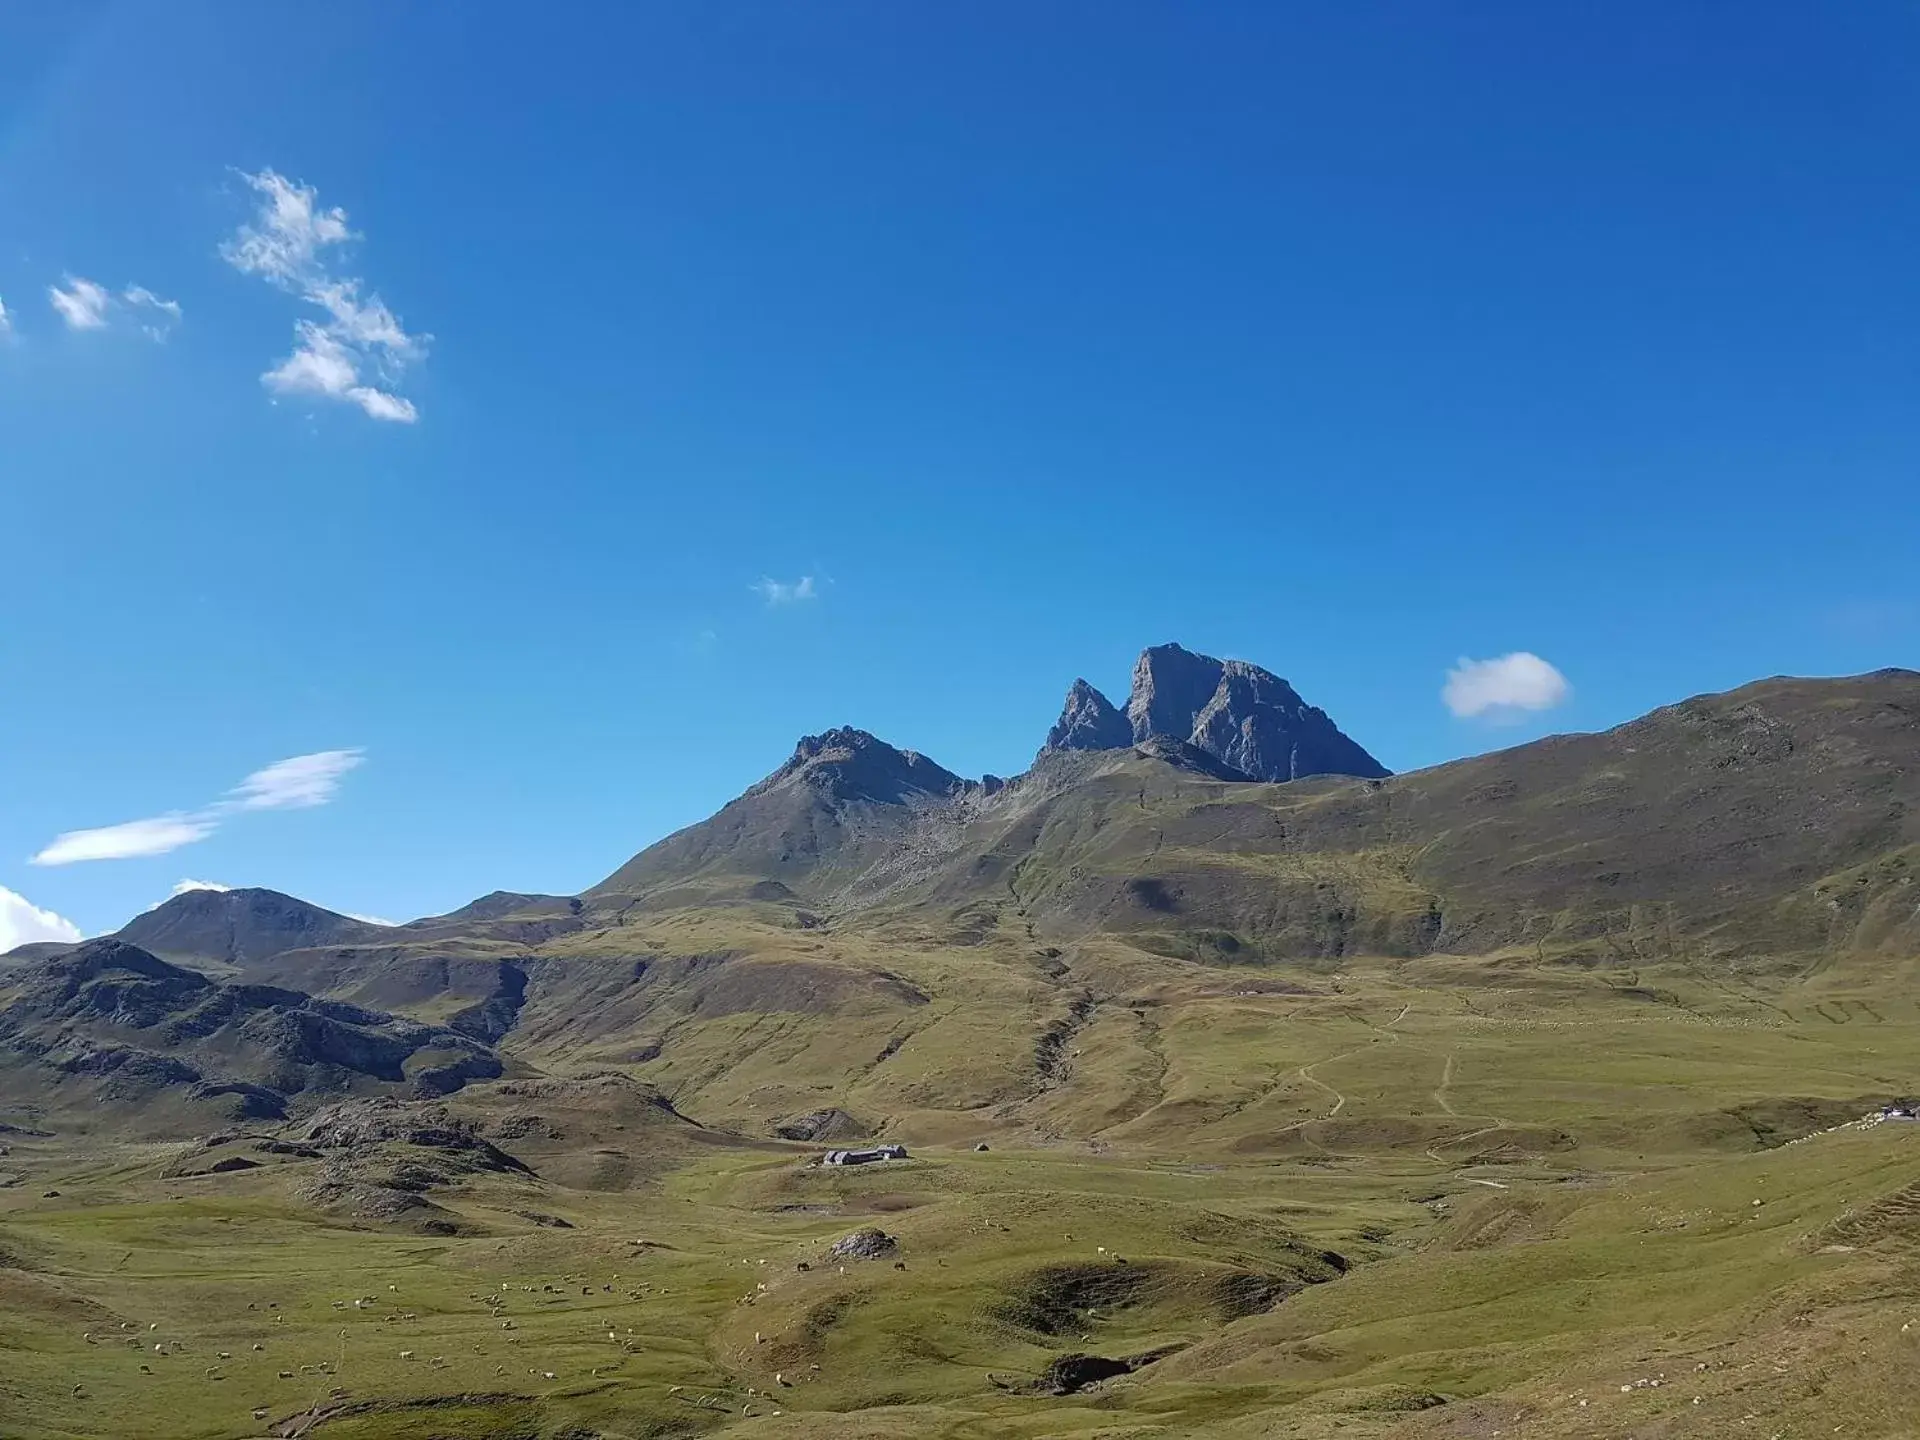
(1305, 1072)
(1500, 1122)
(1446, 1079)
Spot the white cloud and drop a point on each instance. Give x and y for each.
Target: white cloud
(187, 887)
(6, 320)
(781, 592)
(155, 836)
(83, 304)
(321, 365)
(291, 232)
(1501, 689)
(296, 783)
(160, 315)
(291, 244)
(22, 923)
(370, 919)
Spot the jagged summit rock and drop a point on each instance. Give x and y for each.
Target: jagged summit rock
(1241, 714)
(1248, 719)
(849, 764)
(1088, 721)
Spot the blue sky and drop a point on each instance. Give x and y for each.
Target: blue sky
(1004, 339)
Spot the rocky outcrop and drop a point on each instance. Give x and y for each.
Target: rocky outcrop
(1247, 719)
(1184, 755)
(868, 1243)
(1088, 721)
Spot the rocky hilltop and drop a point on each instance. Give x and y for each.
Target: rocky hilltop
(1247, 718)
(240, 927)
(112, 1024)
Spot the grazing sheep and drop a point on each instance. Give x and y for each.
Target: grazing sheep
(406, 1354)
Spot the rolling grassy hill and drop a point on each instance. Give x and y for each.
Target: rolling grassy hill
(1470, 1101)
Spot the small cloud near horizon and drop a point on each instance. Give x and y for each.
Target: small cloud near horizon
(782, 592)
(187, 887)
(1502, 690)
(297, 783)
(23, 923)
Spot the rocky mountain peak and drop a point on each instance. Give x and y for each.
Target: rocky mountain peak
(1249, 719)
(1088, 721)
(849, 764)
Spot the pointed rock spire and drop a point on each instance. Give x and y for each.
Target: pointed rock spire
(1088, 721)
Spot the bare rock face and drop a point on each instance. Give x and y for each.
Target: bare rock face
(1244, 716)
(865, 1244)
(1248, 722)
(1089, 721)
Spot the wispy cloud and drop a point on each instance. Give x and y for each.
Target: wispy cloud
(298, 782)
(785, 592)
(87, 305)
(292, 243)
(1501, 690)
(22, 923)
(156, 836)
(82, 304)
(369, 919)
(6, 320)
(157, 316)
